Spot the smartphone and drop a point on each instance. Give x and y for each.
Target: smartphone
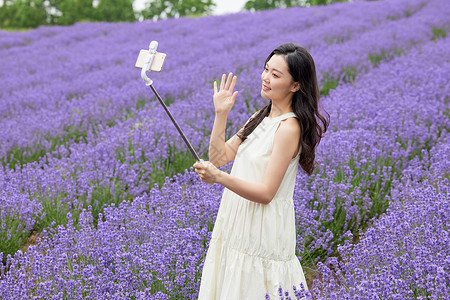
(157, 62)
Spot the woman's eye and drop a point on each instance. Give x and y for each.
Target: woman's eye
(275, 75)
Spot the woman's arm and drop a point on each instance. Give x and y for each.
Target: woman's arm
(220, 157)
(220, 153)
(261, 192)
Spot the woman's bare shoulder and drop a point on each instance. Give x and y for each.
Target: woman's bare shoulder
(290, 126)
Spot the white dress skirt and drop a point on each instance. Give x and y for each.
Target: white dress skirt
(252, 248)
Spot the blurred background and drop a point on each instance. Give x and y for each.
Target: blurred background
(25, 14)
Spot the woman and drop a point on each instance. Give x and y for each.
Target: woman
(252, 248)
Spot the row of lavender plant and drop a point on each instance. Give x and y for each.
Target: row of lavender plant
(154, 246)
(383, 122)
(67, 84)
(121, 162)
(405, 253)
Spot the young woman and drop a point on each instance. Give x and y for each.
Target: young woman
(252, 249)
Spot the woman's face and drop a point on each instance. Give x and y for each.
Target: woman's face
(277, 82)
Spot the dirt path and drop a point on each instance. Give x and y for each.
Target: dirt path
(32, 240)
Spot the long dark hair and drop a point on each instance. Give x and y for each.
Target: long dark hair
(305, 104)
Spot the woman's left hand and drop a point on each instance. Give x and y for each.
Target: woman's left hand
(207, 171)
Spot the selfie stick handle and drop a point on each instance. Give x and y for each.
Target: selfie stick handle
(148, 62)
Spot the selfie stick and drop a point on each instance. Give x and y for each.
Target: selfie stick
(146, 68)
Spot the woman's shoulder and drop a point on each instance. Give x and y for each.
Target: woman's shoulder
(290, 126)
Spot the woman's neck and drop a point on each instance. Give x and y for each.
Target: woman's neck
(277, 110)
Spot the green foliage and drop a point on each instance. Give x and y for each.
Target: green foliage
(347, 74)
(13, 236)
(176, 163)
(263, 5)
(23, 14)
(73, 11)
(21, 156)
(438, 33)
(177, 8)
(272, 4)
(376, 58)
(115, 11)
(324, 2)
(362, 187)
(329, 83)
(33, 13)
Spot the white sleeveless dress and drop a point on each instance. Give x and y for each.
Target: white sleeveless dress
(252, 248)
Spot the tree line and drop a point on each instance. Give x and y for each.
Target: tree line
(33, 13)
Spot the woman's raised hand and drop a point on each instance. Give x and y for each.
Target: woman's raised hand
(225, 97)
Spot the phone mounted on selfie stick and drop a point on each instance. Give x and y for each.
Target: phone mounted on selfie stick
(152, 60)
(148, 57)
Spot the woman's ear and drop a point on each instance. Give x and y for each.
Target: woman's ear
(295, 86)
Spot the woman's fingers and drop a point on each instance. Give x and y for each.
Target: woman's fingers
(225, 96)
(234, 96)
(200, 170)
(222, 82)
(233, 83)
(227, 85)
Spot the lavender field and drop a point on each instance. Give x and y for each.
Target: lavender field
(91, 164)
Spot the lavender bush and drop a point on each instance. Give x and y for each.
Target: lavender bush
(18, 216)
(87, 154)
(405, 253)
(363, 156)
(152, 247)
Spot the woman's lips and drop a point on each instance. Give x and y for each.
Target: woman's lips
(265, 88)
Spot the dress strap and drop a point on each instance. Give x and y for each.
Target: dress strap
(282, 117)
(288, 115)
